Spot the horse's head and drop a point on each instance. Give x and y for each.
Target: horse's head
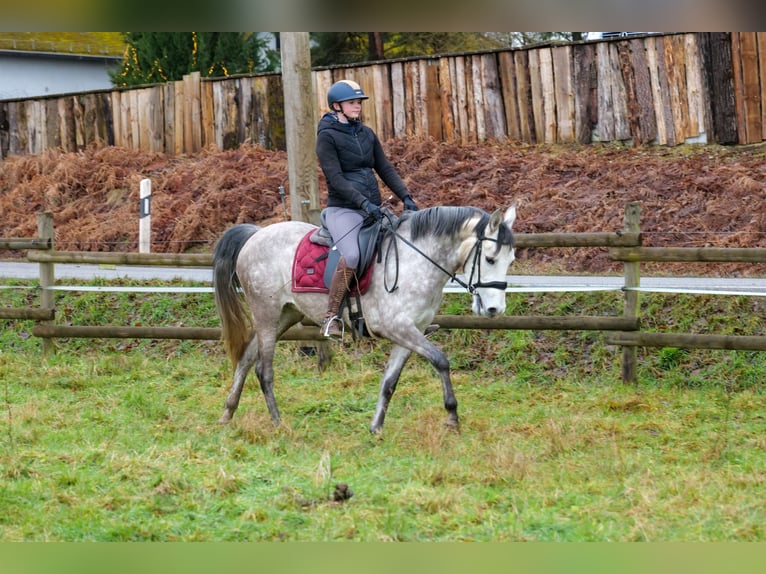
(487, 265)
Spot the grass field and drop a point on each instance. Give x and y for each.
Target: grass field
(116, 440)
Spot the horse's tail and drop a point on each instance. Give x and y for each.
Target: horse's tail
(236, 323)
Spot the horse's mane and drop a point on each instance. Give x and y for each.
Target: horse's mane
(449, 220)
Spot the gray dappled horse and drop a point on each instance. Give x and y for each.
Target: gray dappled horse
(433, 245)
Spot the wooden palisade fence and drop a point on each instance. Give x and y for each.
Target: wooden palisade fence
(664, 89)
(623, 330)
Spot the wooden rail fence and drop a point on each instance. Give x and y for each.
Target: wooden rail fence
(662, 89)
(623, 331)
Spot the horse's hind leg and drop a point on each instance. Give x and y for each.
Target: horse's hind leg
(396, 361)
(244, 365)
(264, 368)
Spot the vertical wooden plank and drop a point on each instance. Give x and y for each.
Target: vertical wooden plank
(4, 129)
(651, 62)
(679, 56)
(79, 129)
(14, 145)
(693, 86)
(446, 99)
(548, 91)
(168, 117)
(150, 138)
(411, 111)
(322, 83)
(219, 114)
(91, 124)
(536, 85)
(585, 92)
(433, 99)
(461, 92)
(751, 89)
(196, 111)
(524, 95)
(739, 104)
(261, 111)
(507, 73)
(643, 89)
(456, 95)
(117, 118)
(663, 83)
(35, 111)
(563, 77)
(493, 98)
(420, 88)
(206, 113)
(276, 109)
(145, 119)
(472, 130)
(244, 112)
(704, 60)
(629, 80)
(66, 124)
(761, 42)
(382, 90)
(52, 124)
(363, 76)
(477, 100)
(722, 98)
(179, 134)
(398, 100)
(676, 76)
(619, 96)
(605, 94)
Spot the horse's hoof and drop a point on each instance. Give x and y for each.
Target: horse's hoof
(452, 425)
(225, 418)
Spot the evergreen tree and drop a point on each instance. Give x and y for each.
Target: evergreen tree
(156, 57)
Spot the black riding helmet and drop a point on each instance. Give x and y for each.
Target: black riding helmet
(344, 90)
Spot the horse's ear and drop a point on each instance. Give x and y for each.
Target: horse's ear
(510, 215)
(495, 220)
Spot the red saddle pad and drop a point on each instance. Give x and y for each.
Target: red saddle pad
(308, 268)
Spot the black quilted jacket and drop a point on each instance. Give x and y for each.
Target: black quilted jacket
(350, 155)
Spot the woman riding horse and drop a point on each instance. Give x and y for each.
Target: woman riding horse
(348, 152)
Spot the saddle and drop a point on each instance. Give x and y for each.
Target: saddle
(316, 259)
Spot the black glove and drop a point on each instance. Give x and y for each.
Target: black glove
(373, 211)
(409, 205)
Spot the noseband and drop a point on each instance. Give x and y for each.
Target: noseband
(476, 267)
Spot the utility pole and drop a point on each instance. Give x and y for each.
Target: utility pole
(300, 129)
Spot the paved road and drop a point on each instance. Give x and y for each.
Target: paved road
(750, 286)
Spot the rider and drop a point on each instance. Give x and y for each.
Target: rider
(348, 152)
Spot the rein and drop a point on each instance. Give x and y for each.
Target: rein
(475, 267)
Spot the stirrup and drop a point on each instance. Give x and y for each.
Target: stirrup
(328, 323)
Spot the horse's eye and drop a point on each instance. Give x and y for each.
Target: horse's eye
(490, 260)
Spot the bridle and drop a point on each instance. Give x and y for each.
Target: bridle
(471, 286)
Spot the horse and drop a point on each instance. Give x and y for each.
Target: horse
(252, 272)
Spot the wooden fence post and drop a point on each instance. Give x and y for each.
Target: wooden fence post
(632, 279)
(47, 278)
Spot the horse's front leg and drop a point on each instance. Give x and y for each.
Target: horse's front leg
(399, 356)
(396, 361)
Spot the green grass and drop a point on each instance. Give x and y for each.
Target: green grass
(116, 440)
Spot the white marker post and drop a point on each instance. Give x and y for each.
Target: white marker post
(145, 217)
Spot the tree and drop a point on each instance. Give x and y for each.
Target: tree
(154, 57)
(337, 48)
